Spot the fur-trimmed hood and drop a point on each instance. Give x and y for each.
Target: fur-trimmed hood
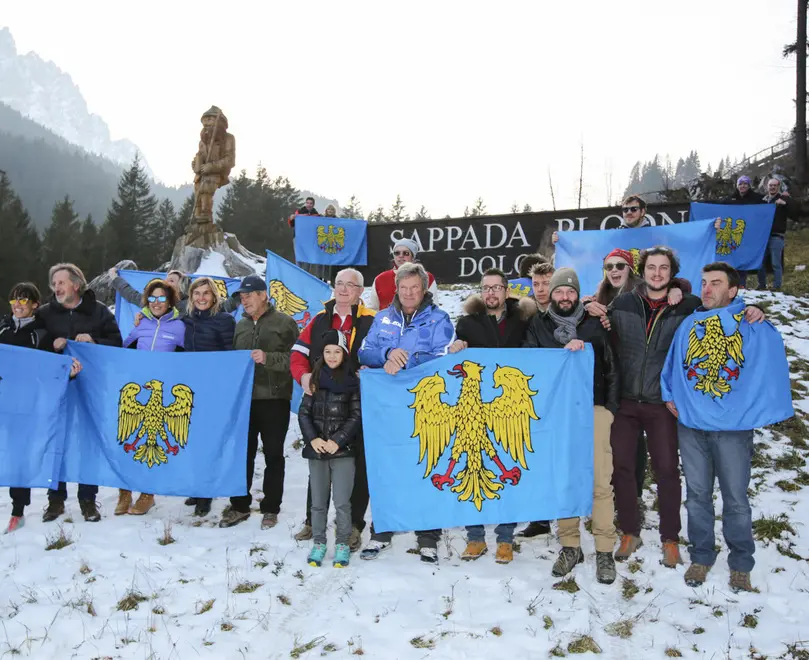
(525, 306)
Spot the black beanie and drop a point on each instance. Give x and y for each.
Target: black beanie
(335, 338)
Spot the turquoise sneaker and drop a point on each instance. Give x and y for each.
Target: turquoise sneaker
(317, 554)
(342, 555)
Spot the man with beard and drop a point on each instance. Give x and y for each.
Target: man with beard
(216, 157)
(567, 325)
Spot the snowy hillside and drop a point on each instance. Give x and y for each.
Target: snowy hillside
(115, 591)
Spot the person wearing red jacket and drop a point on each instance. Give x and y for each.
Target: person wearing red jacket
(383, 289)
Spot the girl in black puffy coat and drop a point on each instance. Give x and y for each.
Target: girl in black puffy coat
(330, 420)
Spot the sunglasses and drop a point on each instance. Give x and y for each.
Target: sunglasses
(619, 266)
(153, 299)
(402, 253)
(19, 301)
(630, 209)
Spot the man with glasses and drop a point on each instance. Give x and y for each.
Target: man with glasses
(347, 314)
(493, 320)
(383, 289)
(633, 215)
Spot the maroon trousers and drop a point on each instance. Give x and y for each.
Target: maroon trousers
(661, 432)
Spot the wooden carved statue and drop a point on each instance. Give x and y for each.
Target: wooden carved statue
(215, 158)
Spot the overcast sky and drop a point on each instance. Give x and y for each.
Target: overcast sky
(441, 102)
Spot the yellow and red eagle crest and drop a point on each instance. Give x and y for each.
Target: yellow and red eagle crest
(331, 240)
(729, 236)
(707, 358)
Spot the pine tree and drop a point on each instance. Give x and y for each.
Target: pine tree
(353, 209)
(378, 215)
(515, 208)
(478, 209)
(89, 253)
(60, 242)
(527, 208)
(422, 214)
(20, 247)
(159, 233)
(397, 211)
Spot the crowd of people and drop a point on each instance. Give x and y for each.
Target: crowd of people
(629, 322)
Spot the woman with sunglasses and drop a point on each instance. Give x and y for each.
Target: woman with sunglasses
(383, 290)
(160, 330)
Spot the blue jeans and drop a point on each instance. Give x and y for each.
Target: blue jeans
(775, 248)
(725, 455)
(504, 533)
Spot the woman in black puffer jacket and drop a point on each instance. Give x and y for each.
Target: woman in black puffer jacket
(330, 420)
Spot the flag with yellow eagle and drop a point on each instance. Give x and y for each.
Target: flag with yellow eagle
(725, 374)
(483, 436)
(162, 423)
(331, 241)
(744, 230)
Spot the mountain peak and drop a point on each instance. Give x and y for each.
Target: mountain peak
(7, 46)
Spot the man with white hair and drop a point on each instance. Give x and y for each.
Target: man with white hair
(347, 314)
(784, 207)
(383, 289)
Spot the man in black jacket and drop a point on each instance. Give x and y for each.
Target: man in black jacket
(74, 314)
(784, 207)
(567, 325)
(493, 320)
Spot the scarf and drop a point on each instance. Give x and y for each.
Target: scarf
(566, 325)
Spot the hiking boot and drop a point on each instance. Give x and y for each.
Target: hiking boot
(429, 555)
(696, 575)
(190, 501)
(142, 506)
(474, 550)
(54, 509)
(373, 549)
(202, 507)
(89, 510)
(316, 555)
(124, 502)
(671, 554)
(305, 534)
(232, 517)
(355, 540)
(505, 553)
(740, 581)
(536, 529)
(605, 568)
(342, 555)
(566, 561)
(14, 524)
(629, 543)
(269, 520)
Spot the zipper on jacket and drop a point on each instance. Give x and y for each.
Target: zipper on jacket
(646, 348)
(154, 338)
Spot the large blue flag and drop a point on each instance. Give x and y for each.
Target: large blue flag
(725, 374)
(522, 286)
(331, 241)
(742, 237)
(33, 407)
(138, 279)
(160, 423)
(483, 436)
(584, 251)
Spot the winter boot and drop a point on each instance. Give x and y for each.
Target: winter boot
(566, 561)
(629, 543)
(305, 534)
(342, 555)
(54, 509)
(355, 540)
(474, 550)
(317, 554)
(605, 568)
(14, 524)
(536, 528)
(429, 555)
(372, 550)
(124, 502)
(269, 520)
(202, 507)
(696, 575)
(671, 554)
(505, 553)
(142, 506)
(740, 581)
(89, 510)
(190, 501)
(231, 517)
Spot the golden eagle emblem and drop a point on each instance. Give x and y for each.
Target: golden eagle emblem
(635, 252)
(285, 301)
(221, 287)
(729, 236)
(152, 419)
(507, 416)
(706, 358)
(517, 289)
(331, 240)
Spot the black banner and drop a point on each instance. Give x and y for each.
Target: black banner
(460, 249)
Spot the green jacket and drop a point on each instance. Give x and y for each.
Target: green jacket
(274, 333)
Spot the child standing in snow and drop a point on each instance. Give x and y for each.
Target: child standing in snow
(330, 420)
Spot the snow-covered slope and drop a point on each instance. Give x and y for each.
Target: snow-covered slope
(71, 602)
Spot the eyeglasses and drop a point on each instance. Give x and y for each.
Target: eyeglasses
(630, 209)
(347, 285)
(153, 299)
(621, 265)
(402, 253)
(494, 288)
(19, 301)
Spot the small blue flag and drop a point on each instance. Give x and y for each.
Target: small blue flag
(522, 286)
(159, 423)
(519, 423)
(33, 408)
(138, 279)
(584, 251)
(331, 241)
(725, 374)
(742, 238)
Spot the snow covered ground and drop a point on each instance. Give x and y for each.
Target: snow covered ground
(116, 592)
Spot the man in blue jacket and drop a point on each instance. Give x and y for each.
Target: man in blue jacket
(413, 330)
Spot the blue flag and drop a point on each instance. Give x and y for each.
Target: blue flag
(519, 423)
(33, 407)
(725, 374)
(138, 279)
(522, 286)
(159, 423)
(331, 241)
(745, 230)
(584, 251)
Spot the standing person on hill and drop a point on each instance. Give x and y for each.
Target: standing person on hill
(330, 419)
(383, 289)
(160, 330)
(347, 314)
(744, 194)
(207, 328)
(269, 336)
(784, 207)
(75, 314)
(493, 320)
